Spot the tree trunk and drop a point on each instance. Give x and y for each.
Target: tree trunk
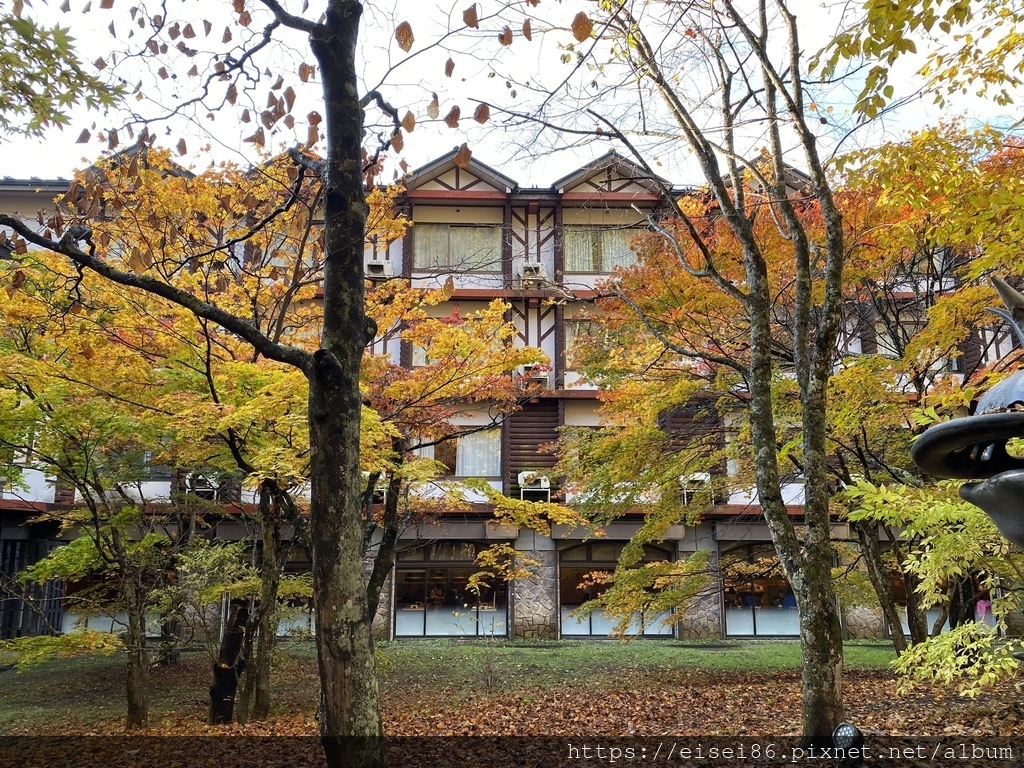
(227, 669)
(137, 682)
(263, 626)
(245, 695)
(266, 640)
(936, 629)
(821, 645)
(169, 649)
(350, 720)
(868, 537)
(917, 618)
(962, 601)
(266, 626)
(808, 567)
(384, 563)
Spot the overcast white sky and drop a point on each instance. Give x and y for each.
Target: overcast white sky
(57, 155)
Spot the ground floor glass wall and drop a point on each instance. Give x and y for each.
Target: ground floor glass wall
(434, 596)
(757, 597)
(575, 587)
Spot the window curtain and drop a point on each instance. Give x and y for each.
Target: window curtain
(597, 250)
(479, 454)
(476, 248)
(463, 248)
(431, 245)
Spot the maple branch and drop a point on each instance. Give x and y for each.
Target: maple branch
(67, 246)
(231, 65)
(669, 344)
(261, 225)
(709, 270)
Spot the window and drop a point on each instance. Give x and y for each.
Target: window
(474, 455)
(419, 356)
(590, 249)
(456, 246)
(433, 596)
(577, 329)
(758, 599)
(575, 587)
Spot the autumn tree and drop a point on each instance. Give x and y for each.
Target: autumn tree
(97, 436)
(222, 74)
(748, 59)
(948, 540)
(471, 362)
(930, 226)
(967, 47)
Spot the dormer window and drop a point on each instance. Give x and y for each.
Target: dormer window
(458, 247)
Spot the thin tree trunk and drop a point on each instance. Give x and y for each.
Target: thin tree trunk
(266, 641)
(137, 681)
(936, 629)
(384, 563)
(245, 695)
(266, 629)
(261, 631)
(917, 618)
(227, 669)
(868, 538)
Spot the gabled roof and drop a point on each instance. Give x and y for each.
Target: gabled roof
(447, 162)
(614, 162)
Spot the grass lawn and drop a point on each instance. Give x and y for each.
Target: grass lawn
(569, 687)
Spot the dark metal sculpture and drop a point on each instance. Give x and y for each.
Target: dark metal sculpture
(974, 447)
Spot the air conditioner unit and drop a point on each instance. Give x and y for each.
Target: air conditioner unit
(379, 270)
(533, 276)
(536, 375)
(692, 483)
(534, 480)
(200, 486)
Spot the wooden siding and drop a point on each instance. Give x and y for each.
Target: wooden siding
(529, 430)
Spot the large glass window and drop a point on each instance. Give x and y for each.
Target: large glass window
(575, 588)
(593, 249)
(458, 247)
(433, 596)
(758, 599)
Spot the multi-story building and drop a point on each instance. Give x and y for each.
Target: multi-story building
(544, 251)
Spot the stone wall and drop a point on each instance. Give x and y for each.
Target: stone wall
(702, 619)
(381, 625)
(863, 623)
(535, 598)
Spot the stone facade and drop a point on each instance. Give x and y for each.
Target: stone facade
(863, 623)
(381, 625)
(702, 619)
(534, 599)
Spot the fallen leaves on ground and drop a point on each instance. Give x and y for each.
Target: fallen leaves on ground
(677, 703)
